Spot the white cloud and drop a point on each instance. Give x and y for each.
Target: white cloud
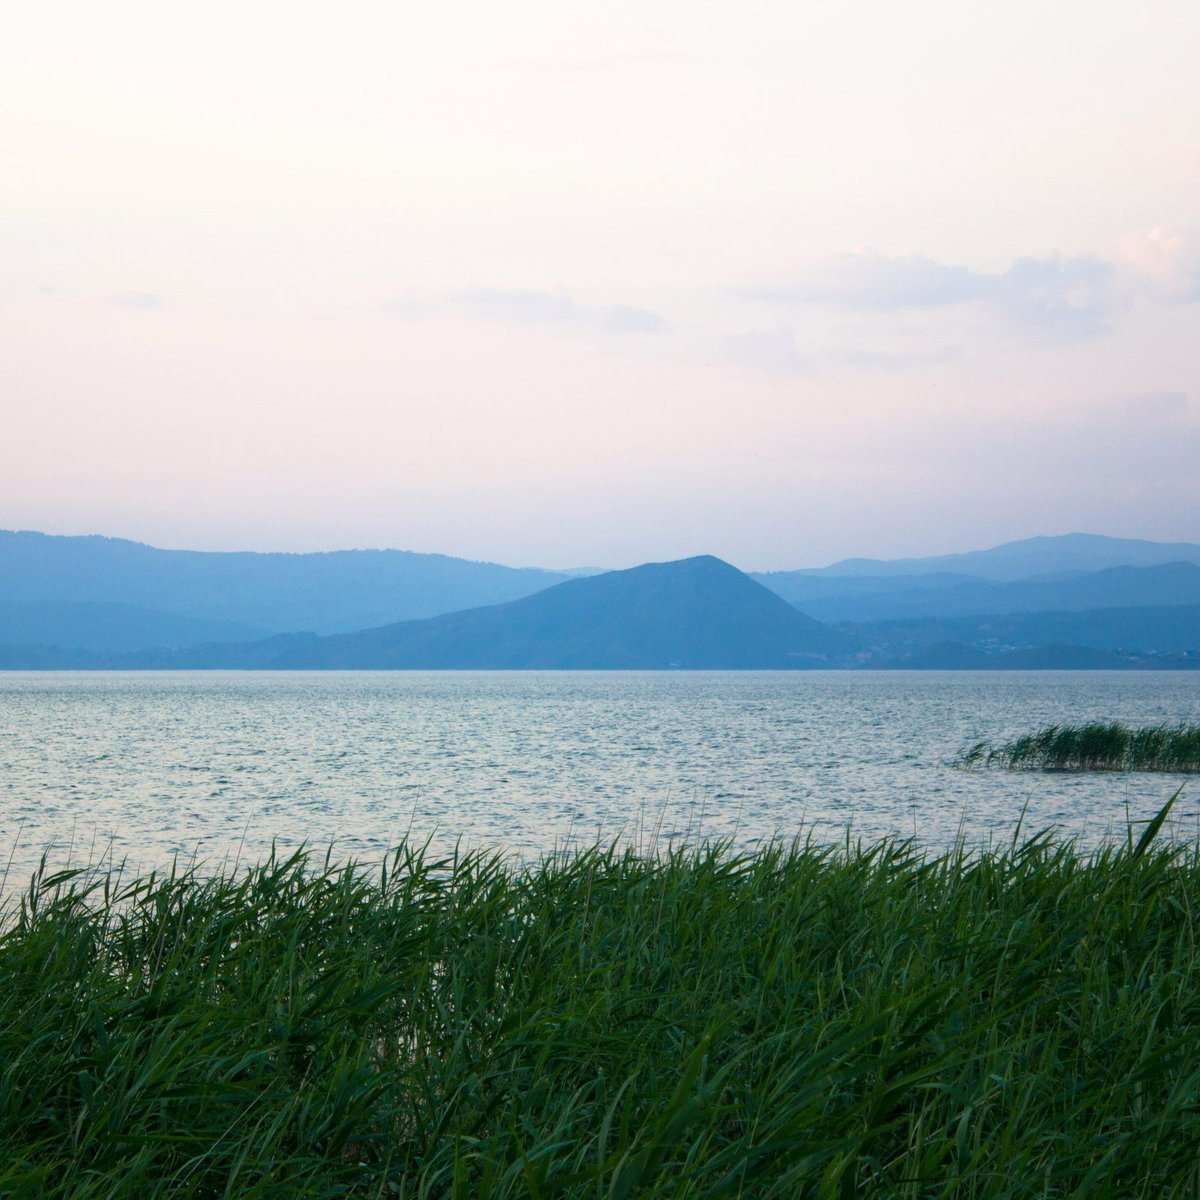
(626, 318)
(511, 304)
(1165, 263)
(133, 300)
(867, 279)
(769, 350)
(777, 350)
(1056, 296)
(527, 306)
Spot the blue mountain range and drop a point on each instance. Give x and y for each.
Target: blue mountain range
(104, 602)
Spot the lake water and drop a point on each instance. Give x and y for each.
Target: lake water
(142, 766)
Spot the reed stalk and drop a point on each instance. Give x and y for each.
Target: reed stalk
(790, 1022)
(1096, 746)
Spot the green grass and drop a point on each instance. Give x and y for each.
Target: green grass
(1098, 746)
(793, 1022)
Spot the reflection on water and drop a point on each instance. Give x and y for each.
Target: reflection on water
(148, 765)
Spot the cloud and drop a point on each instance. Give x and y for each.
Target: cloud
(776, 350)
(892, 360)
(409, 306)
(625, 318)
(501, 304)
(1164, 262)
(870, 280)
(769, 350)
(1057, 296)
(142, 301)
(557, 308)
(1063, 296)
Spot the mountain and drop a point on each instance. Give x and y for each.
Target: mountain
(1061, 555)
(875, 598)
(697, 613)
(271, 593)
(1166, 630)
(102, 602)
(954, 656)
(110, 628)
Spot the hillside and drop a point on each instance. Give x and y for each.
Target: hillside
(110, 628)
(695, 613)
(1161, 632)
(954, 656)
(1064, 554)
(69, 602)
(876, 598)
(271, 593)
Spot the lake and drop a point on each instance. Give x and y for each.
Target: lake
(143, 766)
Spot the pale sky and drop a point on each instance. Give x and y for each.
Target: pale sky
(600, 283)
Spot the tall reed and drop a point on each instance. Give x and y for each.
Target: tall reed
(1097, 746)
(792, 1022)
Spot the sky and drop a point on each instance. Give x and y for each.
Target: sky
(569, 284)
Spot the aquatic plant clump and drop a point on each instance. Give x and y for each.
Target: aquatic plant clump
(1097, 746)
(792, 1022)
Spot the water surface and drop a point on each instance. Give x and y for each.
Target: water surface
(143, 766)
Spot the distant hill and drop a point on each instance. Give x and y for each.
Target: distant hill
(954, 656)
(110, 628)
(697, 613)
(1065, 554)
(1150, 630)
(875, 598)
(271, 593)
(96, 602)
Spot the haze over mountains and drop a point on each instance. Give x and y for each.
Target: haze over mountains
(940, 595)
(332, 592)
(694, 613)
(1069, 553)
(1086, 601)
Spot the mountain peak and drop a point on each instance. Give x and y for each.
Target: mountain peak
(1040, 555)
(693, 613)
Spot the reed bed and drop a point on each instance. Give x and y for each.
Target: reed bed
(797, 1021)
(1097, 746)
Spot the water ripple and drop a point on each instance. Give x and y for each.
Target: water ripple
(151, 765)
